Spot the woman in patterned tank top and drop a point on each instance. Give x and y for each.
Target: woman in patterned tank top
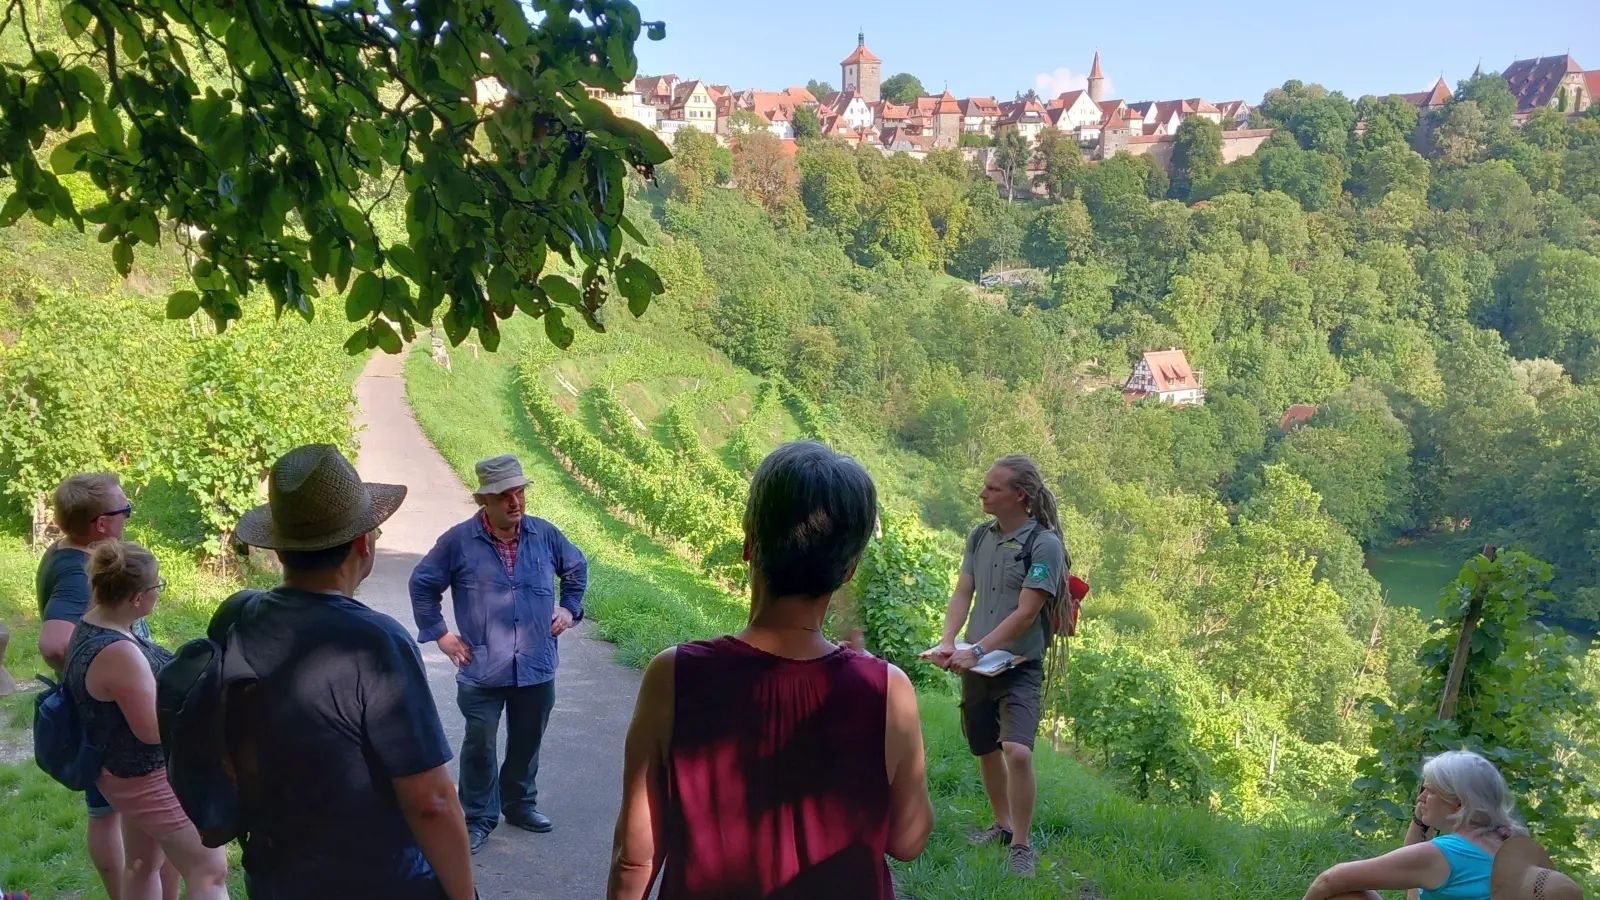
(1466, 803)
(111, 674)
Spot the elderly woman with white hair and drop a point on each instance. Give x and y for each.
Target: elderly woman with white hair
(1464, 800)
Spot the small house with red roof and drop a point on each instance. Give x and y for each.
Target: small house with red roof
(1166, 376)
(979, 115)
(1235, 114)
(1297, 416)
(1073, 111)
(1026, 116)
(849, 106)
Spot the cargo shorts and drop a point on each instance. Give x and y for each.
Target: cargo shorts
(1002, 708)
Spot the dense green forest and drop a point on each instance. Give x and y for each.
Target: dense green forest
(1433, 286)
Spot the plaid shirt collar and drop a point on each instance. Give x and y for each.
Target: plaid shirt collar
(507, 550)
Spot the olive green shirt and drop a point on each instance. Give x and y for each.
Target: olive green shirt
(998, 577)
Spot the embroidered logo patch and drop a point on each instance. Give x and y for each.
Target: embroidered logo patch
(1038, 570)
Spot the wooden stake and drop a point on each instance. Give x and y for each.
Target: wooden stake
(1272, 761)
(1361, 670)
(1458, 661)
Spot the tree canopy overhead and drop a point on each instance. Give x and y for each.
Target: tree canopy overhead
(267, 132)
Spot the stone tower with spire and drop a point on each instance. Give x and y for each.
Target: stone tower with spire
(861, 71)
(1097, 79)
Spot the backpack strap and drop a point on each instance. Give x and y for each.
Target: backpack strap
(227, 614)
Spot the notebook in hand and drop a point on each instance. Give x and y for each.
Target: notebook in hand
(992, 663)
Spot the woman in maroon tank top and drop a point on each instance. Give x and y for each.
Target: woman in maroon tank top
(774, 763)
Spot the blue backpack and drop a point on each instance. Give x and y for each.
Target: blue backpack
(61, 744)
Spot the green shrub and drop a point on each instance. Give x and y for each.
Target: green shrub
(108, 383)
(903, 585)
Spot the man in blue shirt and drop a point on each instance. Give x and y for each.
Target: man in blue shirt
(500, 566)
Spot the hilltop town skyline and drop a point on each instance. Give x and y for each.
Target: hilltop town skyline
(1241, 51)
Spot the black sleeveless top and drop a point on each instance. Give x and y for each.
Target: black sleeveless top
(125, 755)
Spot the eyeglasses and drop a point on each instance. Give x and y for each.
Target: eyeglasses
(125, 511)
(160, 586)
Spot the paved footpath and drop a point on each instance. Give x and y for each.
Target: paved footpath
(580, 765)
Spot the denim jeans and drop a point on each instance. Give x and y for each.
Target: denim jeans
(488, 790)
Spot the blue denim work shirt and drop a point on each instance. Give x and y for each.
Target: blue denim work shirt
(504, 620)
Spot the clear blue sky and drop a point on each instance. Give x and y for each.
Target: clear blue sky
(1151, 50)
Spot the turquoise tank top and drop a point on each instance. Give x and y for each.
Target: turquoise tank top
(1469, 870)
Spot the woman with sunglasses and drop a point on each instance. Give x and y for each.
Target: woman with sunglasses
(111, 674)
(1465, 802)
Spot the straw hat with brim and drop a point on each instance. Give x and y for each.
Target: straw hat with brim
(1522, 871)
(315, 501)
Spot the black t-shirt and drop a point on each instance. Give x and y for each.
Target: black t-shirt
(343, 708)
(62, 587)
(62, 584)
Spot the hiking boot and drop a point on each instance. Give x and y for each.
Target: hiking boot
(992, 834)
(476, 837)
(1023, 862)
(533, 820)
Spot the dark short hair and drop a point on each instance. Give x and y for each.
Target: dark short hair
(316, 560)
(810, 513)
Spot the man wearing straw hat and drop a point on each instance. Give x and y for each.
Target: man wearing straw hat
(355, 796)
(501, 567)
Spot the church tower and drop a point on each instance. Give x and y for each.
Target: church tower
(861, 71)
(1097, 79)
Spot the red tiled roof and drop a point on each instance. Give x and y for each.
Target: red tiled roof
(1115, 120)
(1149, 138)
(773, 105)
(980, 106)
(1109, 106)
(923, 142)
(1066, 99)
(1536, 81)
(1014, 111)
(1170, 369)
(1094, 70)
(862, 54)
(1297, 415)
(1231, 109)
(657, 87)
(839, 101)
(947, 104)
(1199, 105)
(1591, 79)
(800, 95)
(683, 90)
(1438, 95)
(887, 111)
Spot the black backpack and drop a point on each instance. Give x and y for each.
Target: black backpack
(61, 744)
(203, 704)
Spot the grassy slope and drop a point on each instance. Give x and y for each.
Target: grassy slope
(644, 598)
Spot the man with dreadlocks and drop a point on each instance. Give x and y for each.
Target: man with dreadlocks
(1014, 565)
